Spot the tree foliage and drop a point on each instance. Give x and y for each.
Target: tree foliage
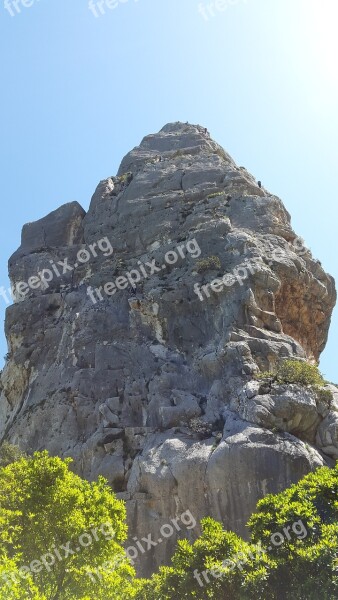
(292, 553)
(306, 568)
(14, 587)
(218, 565)
(61, 539)
(59, 532)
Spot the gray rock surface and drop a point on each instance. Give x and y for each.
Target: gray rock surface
(153, 387)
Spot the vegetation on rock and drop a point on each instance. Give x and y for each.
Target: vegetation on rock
(299, 372)
(295, 371)
(212, 263)
(59, 533)
(292, 553)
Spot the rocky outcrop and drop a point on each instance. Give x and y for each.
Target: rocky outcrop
(138, 327)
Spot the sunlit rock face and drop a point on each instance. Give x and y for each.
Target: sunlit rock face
(153, 385)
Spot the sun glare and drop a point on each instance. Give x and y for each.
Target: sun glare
(323, 19)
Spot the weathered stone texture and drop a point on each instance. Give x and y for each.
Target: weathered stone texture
(155, 389)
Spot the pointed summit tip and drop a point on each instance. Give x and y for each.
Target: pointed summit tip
(180, 127)
(173, 137)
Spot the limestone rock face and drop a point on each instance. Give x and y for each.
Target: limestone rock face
(152, 385)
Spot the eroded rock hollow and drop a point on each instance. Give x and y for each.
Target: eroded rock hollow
(137, 329)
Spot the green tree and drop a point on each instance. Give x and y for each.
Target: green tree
(12, 586)
(292, 554)
(218, 565)
(306, 565)
(62, 533)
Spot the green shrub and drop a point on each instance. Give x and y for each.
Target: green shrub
(292, 553)
(200, 427)
(126, 177)
(295, 371)
(215, 195)
(212, 263)
(301, 372)
(324, 395)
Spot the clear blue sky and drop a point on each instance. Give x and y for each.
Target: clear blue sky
(78, 92)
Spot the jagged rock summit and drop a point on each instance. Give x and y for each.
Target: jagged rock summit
(137, 329)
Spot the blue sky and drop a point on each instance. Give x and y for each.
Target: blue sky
(79, 91)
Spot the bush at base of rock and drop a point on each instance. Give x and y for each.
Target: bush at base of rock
(292, 554)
